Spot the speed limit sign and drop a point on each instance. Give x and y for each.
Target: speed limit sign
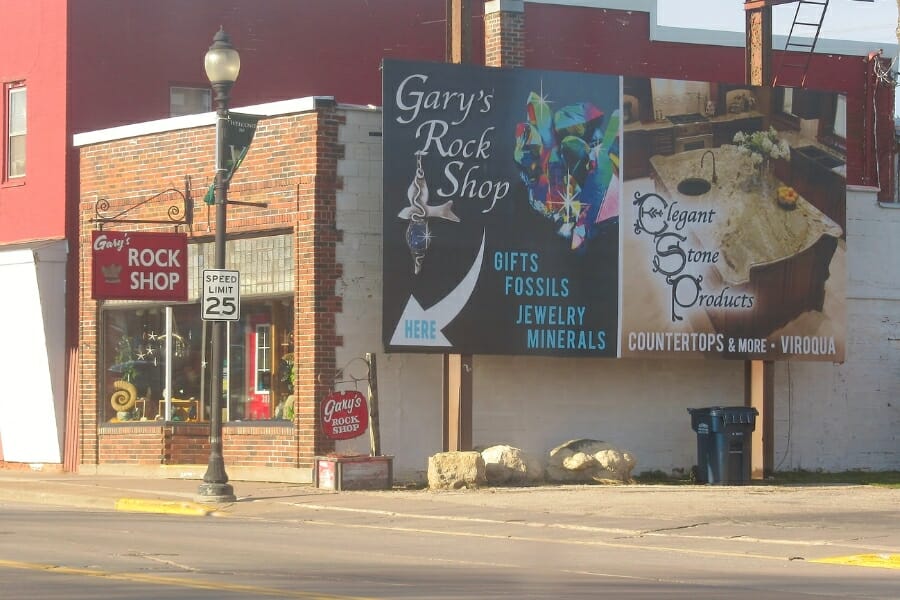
(221, 295)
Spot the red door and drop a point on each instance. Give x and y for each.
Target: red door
(259, 367)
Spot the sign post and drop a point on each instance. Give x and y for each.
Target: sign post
(221, 295)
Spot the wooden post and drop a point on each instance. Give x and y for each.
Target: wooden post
(758, 51)
(374, 428)
(459, 36)
(759, 375)
(457, 368)
(759, 385)
(457, 434)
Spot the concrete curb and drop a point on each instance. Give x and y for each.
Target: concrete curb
(882, 561)
(56, 499)
(165, 507)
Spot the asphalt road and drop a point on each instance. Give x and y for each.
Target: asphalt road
(310, 549)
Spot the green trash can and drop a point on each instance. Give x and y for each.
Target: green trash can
(723, 443)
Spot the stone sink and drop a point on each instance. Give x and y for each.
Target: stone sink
(693, 186)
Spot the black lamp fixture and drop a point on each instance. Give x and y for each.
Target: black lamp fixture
(222, 63)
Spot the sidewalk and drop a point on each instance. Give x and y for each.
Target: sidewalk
(839, 505)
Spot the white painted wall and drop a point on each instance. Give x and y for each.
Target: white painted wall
(829, 417)
(836, 417)
(32, 357)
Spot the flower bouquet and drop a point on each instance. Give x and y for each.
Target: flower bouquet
(761, 147)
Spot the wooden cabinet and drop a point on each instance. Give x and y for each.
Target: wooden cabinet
(635, 160)
(662, 141)
(724, 131)
(640, 145)
(822, 187)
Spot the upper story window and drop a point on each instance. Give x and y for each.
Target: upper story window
(15, 130)
(787, 102)
(833, 124)
(189, 100)
(839, 126)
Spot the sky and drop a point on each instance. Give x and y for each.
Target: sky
(874, 22)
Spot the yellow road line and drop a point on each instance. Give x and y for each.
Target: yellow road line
(883, 561)
(198, 584)
(167, 507)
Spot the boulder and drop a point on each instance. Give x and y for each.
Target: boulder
(455, 470)
(512, 466)
(588, 460)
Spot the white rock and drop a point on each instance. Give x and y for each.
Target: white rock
(455, 470)
(588, 460)
(508, 465)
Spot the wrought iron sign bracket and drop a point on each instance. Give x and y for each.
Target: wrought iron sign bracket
(175, 215)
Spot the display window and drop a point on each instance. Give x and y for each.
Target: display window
(156, 363)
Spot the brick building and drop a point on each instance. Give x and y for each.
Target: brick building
(317, 165)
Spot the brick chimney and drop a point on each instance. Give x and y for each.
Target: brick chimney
(504, 33)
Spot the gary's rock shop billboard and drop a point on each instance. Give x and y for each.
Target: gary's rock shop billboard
(570, 214)
(501, 210)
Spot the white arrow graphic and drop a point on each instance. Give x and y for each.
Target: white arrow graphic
(421, 327)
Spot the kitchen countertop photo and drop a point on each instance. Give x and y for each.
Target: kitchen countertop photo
(748, 230)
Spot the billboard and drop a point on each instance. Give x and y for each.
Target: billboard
(571, 214)
(501, 227)
(733, 232)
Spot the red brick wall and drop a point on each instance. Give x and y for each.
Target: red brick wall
(132, 445)
(315, 333)
(259, 446)
(292, 166)
(504, 39)
(186, 444)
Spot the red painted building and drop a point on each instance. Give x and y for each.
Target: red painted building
(95, 64)
(91, 64)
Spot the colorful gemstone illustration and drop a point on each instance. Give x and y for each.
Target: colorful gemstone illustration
(568, 161)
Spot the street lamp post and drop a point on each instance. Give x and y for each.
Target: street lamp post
(222, 67)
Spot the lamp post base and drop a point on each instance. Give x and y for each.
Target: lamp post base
(216, 492)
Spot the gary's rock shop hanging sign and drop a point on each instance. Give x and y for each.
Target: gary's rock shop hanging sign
(129, 265)
(501, 206)
(345, 415)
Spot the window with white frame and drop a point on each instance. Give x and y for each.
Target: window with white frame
(15, 131)
(184, 100)
(787, 102)
(840, 116)
(263, 358)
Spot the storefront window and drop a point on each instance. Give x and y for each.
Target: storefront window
(137, 351)
(261, 352)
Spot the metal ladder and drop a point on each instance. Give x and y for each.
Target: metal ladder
(801, 28)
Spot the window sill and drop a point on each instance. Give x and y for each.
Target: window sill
(13, 183)
(260, 423)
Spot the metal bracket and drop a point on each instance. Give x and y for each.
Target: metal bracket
(177, 215)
